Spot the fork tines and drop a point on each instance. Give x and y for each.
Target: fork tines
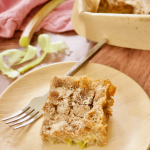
(26, 114)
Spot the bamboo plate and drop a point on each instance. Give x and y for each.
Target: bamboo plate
(129, 128)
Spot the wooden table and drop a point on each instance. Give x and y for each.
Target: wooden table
(134, 63)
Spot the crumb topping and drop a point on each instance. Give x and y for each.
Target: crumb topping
(76, 108)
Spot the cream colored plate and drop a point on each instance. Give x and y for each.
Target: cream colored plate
(129, 128)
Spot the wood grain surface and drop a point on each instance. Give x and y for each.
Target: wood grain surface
(132, 62)
(128, 129)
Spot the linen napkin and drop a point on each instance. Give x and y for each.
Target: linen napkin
(15, 14)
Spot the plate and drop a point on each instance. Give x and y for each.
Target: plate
(129, 128)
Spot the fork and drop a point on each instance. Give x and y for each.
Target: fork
(33, 110)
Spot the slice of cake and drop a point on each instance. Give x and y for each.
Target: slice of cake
(77, 111)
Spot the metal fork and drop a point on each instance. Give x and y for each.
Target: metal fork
(33, 110)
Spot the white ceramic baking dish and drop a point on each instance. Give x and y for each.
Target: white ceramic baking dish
(125, 30)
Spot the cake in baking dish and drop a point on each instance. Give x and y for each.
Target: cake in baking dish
(124, 6)
(77, 111)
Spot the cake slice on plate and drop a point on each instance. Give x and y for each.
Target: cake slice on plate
(77, 111)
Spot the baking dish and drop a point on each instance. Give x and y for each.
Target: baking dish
(124, 30)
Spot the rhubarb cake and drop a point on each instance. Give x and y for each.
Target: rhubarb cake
(77, 111)
(124, 6)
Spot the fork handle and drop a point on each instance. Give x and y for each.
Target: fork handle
(84, 59)
(87, 57)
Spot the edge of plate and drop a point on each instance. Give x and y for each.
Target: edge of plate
(23, 76)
